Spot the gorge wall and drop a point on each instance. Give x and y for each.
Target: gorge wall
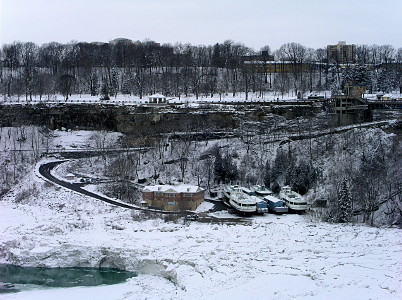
(143, 118)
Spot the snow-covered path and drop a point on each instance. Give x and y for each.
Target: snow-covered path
(276, 257)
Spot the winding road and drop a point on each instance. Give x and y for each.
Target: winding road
(45, 171)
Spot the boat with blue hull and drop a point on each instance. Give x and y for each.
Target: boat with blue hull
(276, 205)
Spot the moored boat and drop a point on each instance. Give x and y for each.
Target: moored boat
(261, 205)
(276, 205)
(240, 200)
(261, 191)
(293, 200)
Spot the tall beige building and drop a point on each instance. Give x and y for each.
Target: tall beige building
(341, 53)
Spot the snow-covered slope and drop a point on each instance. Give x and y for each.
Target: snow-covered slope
(273, 257)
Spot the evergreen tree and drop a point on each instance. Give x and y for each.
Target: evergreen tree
(114, 83)
(218, 167)
(387, 81)
(282, 165)
(344, 204)
(333, 79)
(276, 187)
(229, 169)
(360, 75)
(105, 92)
(225, 168)
(300, 177)
(267, 174)
(279, 165)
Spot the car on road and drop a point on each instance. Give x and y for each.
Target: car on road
(192, 217)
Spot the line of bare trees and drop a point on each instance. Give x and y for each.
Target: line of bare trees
(106, 69)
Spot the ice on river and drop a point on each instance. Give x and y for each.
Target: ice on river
(271, 257)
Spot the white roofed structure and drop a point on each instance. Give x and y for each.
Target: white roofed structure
(183, 188)
(157, 98)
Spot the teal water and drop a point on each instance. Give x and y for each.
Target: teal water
(15, 278)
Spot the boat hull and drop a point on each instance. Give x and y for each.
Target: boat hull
(242, 208)
(296, 208)
(279, 210)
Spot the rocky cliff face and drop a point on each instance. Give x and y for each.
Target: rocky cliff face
(142, 119)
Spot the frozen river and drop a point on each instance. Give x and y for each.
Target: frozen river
(16, 278)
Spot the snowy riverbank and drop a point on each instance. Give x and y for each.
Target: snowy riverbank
(276, 257)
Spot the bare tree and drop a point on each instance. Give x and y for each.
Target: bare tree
(65, 84)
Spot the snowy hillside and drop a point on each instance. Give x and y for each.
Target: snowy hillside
(266, 257)
(275, 257)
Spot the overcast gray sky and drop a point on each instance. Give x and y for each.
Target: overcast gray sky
(313, 23)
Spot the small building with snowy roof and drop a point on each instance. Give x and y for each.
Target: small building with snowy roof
(157, 99)
(173, 197)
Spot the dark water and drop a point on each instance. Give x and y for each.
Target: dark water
(15, 278)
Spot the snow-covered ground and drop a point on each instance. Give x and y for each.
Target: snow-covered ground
(125, 99)
(272, 257)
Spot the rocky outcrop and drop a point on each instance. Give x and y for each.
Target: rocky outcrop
(143, 118)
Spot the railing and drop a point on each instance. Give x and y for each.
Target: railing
(257, 101)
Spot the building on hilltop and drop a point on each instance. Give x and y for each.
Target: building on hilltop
(341, 53)
(120, 40)
(263, 57)
(171, 198)
(157, 99)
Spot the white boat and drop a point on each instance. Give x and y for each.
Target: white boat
(240, 200)
(261, 204)
(292, 199)
(261, 191)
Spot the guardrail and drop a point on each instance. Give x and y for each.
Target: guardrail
(172, 102)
